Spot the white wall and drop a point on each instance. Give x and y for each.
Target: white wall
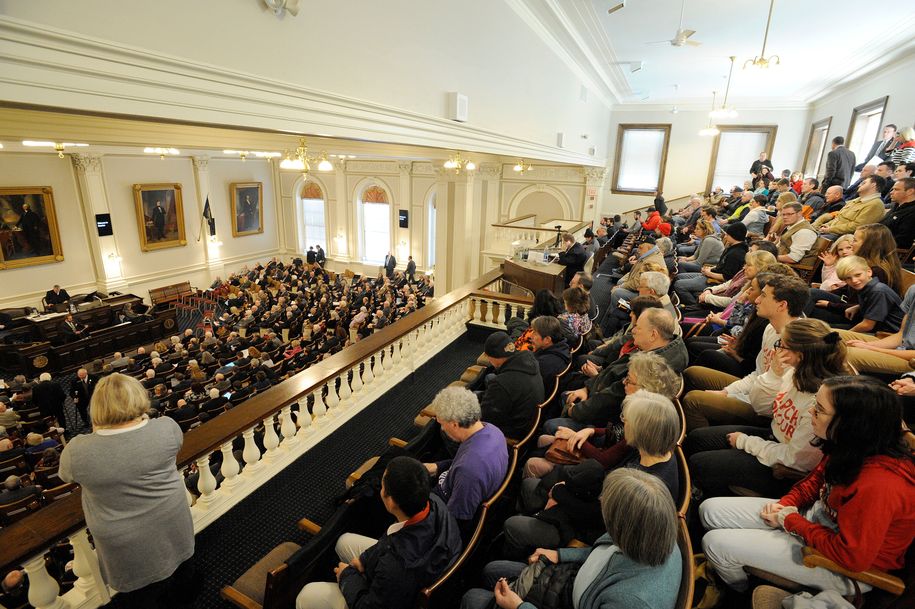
(223, 172)
(896, 81)
(689, 154)
(27, 285)
(360, 68)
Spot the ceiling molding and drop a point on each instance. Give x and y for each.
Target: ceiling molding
(41, 65)
(705, 105)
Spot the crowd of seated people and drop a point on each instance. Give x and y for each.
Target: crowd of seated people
(779, 453)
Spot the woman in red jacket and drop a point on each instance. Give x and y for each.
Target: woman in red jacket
(857, 506)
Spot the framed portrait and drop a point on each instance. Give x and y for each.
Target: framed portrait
(160, 215)
(247, 208)
(28, 227)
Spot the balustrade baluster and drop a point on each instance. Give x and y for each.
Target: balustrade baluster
(206, 483)
(345, 392)
(304, 418)
(43, 589)
(251, 454)
(230, 468)
(501, 314)
(85, 568)
(378, 368)
(357, 381)
(395, 358)
(368, 375)
(332, 400)
(271, 440)
(318, 409)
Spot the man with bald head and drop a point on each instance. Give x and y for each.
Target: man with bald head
(81, 389)
(852, 191)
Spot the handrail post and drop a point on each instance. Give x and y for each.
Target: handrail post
(44, 591)
(86, 568)
(229, 468)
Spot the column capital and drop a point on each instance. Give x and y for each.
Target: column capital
(201, 163)
(405, 168)
(87, 163)
(491, 171)
(594, 174)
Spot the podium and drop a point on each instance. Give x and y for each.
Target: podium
(534, 276)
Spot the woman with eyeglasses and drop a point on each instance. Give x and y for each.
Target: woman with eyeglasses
(807, 354)
(857, 506)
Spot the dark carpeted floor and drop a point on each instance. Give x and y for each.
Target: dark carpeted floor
(306, 488)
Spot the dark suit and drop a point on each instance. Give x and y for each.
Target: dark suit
(389, 263)
(158, 219)
(30, 224)
(411, 270)
(311, 257)
(879, 150)
(840, 165)
(82, 395)
(574, 260)
(49, 397)
(52, 298)
(71, 331)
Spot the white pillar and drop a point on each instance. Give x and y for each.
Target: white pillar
(271, 440)
(595, 195)
(251, 454)
(304, 418)
(104, 250)
(287, 428)
(206, 483)
(229, 468)
(211, 246)
(86, 568)
(43, 589)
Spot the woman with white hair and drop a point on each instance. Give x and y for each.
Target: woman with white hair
(130, 485)
(565, 500)
(634, 563)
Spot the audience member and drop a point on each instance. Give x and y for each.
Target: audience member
(512, 395)
(689, 285)
(840, 164)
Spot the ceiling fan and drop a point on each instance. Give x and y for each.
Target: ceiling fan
(681, 38)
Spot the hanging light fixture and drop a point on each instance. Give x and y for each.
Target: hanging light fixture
(58, 146)
(300, 161)
(762, 61)
(522, 168)
(675, 109)
(458, 164)
(710, 130)
(724, 111)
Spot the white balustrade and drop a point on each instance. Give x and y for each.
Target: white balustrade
(230, 467)
(393, 362)
(271, 440)
(356, 383)
(378, 366)
(43, 589)
(206, 483)
(86, 568)
(501, 313)
(251, 454)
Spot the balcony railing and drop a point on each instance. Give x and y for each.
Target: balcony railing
(291, 418)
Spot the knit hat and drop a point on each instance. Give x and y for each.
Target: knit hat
(588, 233)
(736, 230)
(499, 344)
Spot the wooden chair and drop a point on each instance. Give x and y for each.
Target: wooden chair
(448, 584)
(17, 510)
(688, 576)
(685, 482)
(59, 492)
(17, 465)
(682, 414)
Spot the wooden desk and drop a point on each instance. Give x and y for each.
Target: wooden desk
(46, 327)
(535, 276)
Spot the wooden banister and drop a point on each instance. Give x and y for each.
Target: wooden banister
(34, 533)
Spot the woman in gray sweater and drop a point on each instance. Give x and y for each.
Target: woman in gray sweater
(133, 496)
(708, 252)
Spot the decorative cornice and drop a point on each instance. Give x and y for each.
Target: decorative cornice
(40, 64)
(594, 174)
(405, 168)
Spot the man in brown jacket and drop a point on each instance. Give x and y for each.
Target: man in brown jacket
(628, 285)
(866, 209)
(797, 241)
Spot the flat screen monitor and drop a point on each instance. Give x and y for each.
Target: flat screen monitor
(103, 225)
(404, 217)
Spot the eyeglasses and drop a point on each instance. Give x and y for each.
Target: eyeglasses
(819, 411)
(782, 345)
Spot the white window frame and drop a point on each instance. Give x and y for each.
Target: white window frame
(646, 188)
(364, 253)
(817, 146)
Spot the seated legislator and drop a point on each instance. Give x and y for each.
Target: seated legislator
(56, 296)
(512, 395)
(389, 572)
(481, 461)
(72, 330)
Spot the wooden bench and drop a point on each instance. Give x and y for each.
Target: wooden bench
(171, 293)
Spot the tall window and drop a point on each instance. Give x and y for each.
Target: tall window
(641, 156)
(864, 128)
(375, 218)
(816, 148)
(313, 216)
(734, 150)
(430, 255)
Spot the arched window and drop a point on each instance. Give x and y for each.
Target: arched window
(430, 254)
(313, 216)
(375, 222)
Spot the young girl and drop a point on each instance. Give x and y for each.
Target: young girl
(841, 248)
(857, 506)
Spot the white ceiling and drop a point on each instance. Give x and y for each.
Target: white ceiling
(821, 43)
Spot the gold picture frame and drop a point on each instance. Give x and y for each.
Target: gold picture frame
(29, 234)
(160, 216)
(246, 200)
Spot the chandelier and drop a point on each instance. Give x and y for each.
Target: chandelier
(522, 168)
(58, 146)
(709, 129)
(724, 111)
(458, 164)
(762, 61)
(300, 161)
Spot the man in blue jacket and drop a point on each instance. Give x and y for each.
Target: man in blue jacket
(389, 572)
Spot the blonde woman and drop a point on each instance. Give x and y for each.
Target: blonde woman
(133, 495)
